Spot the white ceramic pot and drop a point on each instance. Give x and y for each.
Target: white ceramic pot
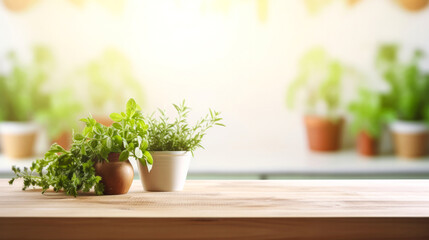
(410, 138)
(18, 138)
(168, 172)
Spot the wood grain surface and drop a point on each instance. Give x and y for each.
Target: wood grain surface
(284, 209)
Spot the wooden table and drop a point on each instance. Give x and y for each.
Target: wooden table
(287, 209)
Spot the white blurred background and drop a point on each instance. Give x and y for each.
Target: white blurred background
(237, 57)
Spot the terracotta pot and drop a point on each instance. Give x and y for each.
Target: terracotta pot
(410, 139)
(106, 121)
(413, 5)
(117, 176)
(323, 134)
(64, 140)
(367, 145)
(18, 139)
(168, 172)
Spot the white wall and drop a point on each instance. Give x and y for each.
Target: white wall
(230, 61)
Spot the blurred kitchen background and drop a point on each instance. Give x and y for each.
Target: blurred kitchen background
(265, 64)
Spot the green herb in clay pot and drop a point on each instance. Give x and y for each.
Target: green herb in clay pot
(369, 117)
(97, 159)
(319, 82)
(171, 144)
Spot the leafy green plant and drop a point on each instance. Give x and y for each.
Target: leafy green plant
(178, 135)
(369, 113)
(108, 80)
(319, 78)
(62, 113)
(73, 170)
(22, 90)
(409, 85)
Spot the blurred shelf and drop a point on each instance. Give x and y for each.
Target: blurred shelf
(285, 165)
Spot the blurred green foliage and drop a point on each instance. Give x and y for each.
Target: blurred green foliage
(409, 85)
(25, 97)
(110, 81)
(369, 113)
(320, 77)
(21, 90)
(62, 114)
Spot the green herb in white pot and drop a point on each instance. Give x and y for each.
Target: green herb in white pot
(172, 144)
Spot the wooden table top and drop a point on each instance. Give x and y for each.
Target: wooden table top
(270, 198)
(325, 209)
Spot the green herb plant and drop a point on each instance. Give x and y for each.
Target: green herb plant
(369, 113)
(179, 135)
(319, 78)
(73, 170)
(409, 85)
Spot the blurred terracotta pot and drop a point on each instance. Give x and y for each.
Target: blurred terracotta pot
(106, 121)
(323, 134)
(117, 176)
(410, 138)
(18, 139)
(413, 5)
(367, 145)
(64, 140)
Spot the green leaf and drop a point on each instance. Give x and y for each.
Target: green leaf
(144, 144)
(142, 161)
(79, 137)
(117, 125)
(109, 143)
(116, 117)
(82, 150)
(148, 157)
(131, 107)
(117, 139)
(123, 156)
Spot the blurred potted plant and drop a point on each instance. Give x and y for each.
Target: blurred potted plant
(108, 81)
(61, 117)
(369, 116)
(22, 99)
(171, 145)
(408, 96)
(319, 83)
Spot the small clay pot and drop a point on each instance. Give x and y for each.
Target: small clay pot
(367, 145)
(410, 138)
(116, 176)
(323, 134)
